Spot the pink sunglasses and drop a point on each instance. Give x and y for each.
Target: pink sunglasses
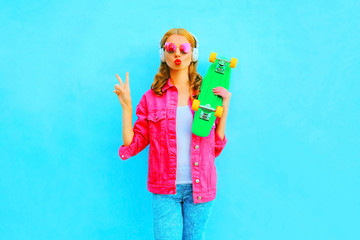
(171, 48)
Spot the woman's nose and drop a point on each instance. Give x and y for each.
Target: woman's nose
(177, 52)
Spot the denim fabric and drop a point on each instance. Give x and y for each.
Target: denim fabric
(177, 217)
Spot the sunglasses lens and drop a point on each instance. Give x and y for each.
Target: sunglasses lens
(170, 47)
(185, 47)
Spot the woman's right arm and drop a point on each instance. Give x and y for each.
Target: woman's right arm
(123, 93)
(128, 131)
(135, 138)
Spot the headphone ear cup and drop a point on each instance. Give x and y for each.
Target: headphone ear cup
(162, 56)
(195, 55)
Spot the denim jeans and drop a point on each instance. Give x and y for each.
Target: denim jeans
(176, 217)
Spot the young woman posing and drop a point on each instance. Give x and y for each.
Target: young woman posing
(182, 175)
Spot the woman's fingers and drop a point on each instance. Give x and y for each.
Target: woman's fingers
(118, 89)
(221, 91)
(219, 88)
(216, 90)
(122, 90)
(119, 79)
(127, 79)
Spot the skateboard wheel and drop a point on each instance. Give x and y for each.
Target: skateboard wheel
(219, 111)
(212, 57)
(195, 105)
(233, 62)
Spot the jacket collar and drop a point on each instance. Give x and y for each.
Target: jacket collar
(166, 86)
(169, 85)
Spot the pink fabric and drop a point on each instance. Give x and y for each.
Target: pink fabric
(156, 125)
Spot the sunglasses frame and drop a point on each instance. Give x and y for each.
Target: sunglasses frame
(167, 44)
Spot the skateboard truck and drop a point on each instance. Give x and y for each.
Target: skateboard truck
(204, 115)
(221, 66)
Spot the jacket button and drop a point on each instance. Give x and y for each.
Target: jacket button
(122, 155)
(199, 198)
(196, 163)
(197, 180)
(196, 146)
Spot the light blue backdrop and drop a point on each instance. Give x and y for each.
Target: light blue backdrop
(290, 169)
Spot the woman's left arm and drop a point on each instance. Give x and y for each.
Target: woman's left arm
(226, 95)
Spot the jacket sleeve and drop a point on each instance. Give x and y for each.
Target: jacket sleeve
(141, 132)
(219, 143)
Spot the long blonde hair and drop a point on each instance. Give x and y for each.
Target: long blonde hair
(163, 73)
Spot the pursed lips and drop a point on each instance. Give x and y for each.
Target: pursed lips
(177, 61)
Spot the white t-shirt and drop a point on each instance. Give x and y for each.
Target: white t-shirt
(184, 120)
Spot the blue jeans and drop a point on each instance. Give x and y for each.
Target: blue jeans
(176, 217)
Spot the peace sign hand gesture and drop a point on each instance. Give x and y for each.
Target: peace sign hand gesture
(123, 91)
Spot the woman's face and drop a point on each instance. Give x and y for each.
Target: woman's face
(178, 59)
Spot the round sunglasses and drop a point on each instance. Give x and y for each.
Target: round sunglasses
(171, 47)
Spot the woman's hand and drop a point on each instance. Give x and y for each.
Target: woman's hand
(224, 93)
(123, 91)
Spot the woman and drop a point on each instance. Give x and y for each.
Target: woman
(182, 173)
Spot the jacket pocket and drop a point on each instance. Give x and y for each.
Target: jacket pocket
(156, 116)
(157, 124)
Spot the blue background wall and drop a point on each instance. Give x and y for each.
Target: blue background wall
(290, 169)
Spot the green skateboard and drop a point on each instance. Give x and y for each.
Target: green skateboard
(208, 106)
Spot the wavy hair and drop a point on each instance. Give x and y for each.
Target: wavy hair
(163, 73)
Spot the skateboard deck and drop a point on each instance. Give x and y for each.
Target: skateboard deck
(208, 106)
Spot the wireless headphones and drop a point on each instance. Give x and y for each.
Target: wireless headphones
(195, 53)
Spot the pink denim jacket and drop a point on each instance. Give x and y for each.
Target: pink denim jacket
(156, 124)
